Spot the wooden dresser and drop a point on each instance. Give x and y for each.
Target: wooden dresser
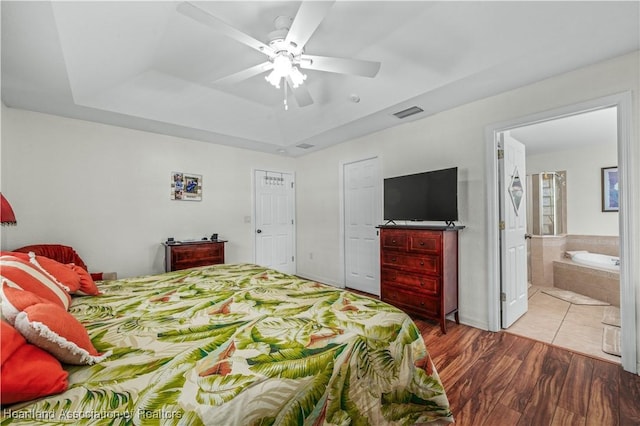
(181, 255)
(419, 270)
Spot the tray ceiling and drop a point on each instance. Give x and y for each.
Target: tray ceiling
(145, 66)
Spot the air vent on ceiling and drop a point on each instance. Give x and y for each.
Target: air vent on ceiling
(305, 146)
(407, 112)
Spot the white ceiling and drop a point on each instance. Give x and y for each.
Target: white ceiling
(145, 66)
(579, 131)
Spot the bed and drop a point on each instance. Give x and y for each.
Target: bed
(242, 345)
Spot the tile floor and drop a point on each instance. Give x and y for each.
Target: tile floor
(552, 320)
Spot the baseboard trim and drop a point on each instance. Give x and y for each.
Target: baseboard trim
(319, 279)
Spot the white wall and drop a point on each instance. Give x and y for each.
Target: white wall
(104, 190)
(584, 201)
(451, 138)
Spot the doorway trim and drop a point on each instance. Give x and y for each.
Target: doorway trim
(623, 102)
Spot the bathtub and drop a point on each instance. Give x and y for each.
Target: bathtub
(596, 260)
(592, 279)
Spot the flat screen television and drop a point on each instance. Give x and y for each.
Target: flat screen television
(427, 196)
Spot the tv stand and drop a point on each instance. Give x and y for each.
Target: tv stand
(419, 270)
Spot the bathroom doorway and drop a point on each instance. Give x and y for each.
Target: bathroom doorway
(565, 305)
(620, 148)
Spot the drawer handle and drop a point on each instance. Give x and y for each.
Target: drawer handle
(421, 284)
(393, 259)
(421, 263)
(422, 303)
(421, 243)
(393, 241)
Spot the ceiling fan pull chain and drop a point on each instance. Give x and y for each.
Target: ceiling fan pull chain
(286, 107)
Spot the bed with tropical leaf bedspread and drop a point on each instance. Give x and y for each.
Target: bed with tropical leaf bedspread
(243, 345)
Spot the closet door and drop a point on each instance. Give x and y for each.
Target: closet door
(362, 213)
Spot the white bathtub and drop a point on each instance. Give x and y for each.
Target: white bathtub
(596, 260)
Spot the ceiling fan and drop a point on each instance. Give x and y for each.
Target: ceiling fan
(285, 49)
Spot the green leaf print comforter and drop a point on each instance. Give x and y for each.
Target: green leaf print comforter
(243, 345)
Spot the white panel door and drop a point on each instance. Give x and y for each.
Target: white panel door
(363, 212)
(513, 243)
(274, 220)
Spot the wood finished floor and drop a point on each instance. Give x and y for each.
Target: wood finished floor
(499, 379)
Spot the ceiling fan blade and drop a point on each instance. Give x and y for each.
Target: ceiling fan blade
(206, 18)
(301, 93)
(309, 16)
(340, 65)
(245, 74)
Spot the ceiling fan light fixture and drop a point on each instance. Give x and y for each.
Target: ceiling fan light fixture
(282, 68)
(297, 78)
(285, 49)
(274, 79)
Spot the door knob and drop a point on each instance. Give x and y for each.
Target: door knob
(259, 231)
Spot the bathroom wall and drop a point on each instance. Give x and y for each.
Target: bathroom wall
(594, 244)
(584, 198)
(543, 251)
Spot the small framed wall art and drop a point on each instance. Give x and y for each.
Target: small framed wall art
(610, 189)
(186, 186)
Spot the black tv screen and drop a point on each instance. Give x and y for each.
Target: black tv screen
(428, 196)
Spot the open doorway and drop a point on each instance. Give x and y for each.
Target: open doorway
(572, 304)
(622, 104)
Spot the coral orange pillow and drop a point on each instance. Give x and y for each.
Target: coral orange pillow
(65, 275)
(27, 371)
(87, 285)
(25, 275)
(15, 300)
(23, 256)
(55, 330)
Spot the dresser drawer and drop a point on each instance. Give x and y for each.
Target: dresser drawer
(420, 264)
(391, 240)
(425, 242)
(424, 284)
(186, 256)
(197, 253)
(421, 304)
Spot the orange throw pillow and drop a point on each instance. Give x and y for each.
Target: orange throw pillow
(88, 287)
(15, 300)
(65, 275)
(55, 330)
(23, 256)
(27, 371)
(29, 277)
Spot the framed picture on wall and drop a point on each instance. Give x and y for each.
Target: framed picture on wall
(186, 186)
(610, 189)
